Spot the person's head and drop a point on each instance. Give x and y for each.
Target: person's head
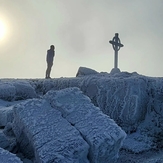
(52, 47)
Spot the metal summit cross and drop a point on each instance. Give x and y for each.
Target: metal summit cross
(116, 43)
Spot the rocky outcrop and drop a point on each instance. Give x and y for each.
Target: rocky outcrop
(46, 136)
(19, 90)
(101, 133)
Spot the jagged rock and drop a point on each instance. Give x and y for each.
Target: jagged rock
(82, 71)
(7, 157)
(101, 133)
(46, 135)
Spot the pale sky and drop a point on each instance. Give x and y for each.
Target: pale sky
(80, 31)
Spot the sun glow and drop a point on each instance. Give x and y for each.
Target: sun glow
(2, 30)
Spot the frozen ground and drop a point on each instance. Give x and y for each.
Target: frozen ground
(134, 102)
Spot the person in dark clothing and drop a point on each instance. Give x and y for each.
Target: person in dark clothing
(49, 59)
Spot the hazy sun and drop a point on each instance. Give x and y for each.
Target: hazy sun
(2, 30)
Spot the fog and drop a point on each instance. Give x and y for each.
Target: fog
(80, 31)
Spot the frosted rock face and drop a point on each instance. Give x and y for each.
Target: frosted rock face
(124, 99)
(4, 143)
(6, 115)
(82, 71)
(7, 91)
(46, 135)
(102, 134)
(7, 157)
(153, 123)
(24, 90)
(16, 90)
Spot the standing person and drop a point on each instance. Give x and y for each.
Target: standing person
(49, 59)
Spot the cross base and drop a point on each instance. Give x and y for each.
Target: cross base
(115, 71)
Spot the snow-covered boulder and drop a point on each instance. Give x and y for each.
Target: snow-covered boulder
(16, 90)
(4, 143)
(103, 135)
(124, 98)
(45, 135)
(6, 115)
(82, 71)
(24, 90)
(7, 157)
(7, 91)
(8, 143)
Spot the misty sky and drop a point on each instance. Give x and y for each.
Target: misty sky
(80, 31)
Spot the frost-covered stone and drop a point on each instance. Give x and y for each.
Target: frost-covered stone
(82, 71)
(24, 90)
(137, 143)
(7, 91)
(102, 134)
(123, 97)
(46, 135)
(6, 115)
(4, 143)
(8, 143)
(7, 157)
(16, 90)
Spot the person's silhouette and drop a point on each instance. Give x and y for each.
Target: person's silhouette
(49, 59)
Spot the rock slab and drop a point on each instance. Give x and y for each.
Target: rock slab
(46, 135)
(103, 135)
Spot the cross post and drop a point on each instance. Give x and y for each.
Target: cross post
(116, 43)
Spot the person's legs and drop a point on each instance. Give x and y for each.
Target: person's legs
(49, 66)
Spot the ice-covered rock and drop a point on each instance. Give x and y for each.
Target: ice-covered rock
(102, 134)
(7, 157)
(8, 143)
(46, 135)
(6, 115)
(4, 143)
(24, 90)
(82, 71)
(134, 101)
(18, 90)
(137, 143)
(7, 91)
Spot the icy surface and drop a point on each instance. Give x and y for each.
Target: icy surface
(133, 101)
(16, 90)
(7, 157)
(46, 135)
(102, 133)
(6, 115)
